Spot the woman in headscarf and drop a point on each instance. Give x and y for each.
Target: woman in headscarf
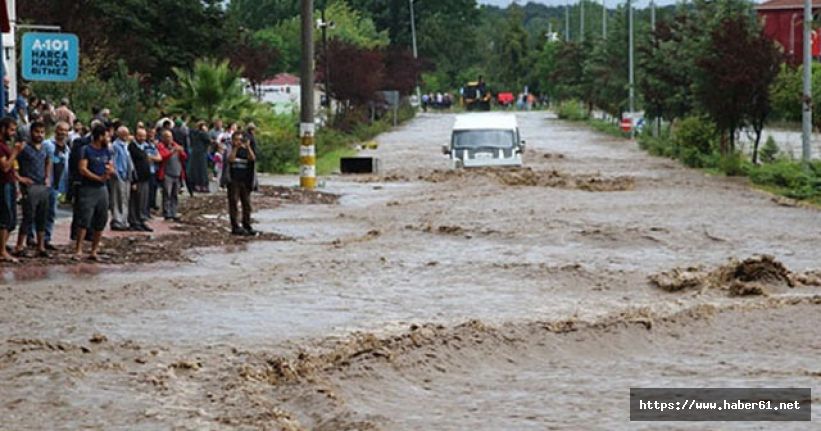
(200, 143)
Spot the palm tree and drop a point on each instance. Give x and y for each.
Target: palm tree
(212, 89)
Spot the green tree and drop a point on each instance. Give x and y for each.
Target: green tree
(151, 37)
(283, 37)
(568, 75)
(543, 67)
(352, 27)
(786, 93)
(606, 68)
(212, 89)
(511, 53)
(737, 68)
(260, 14)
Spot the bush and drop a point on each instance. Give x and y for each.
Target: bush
(733, 165)
(607, 127)
(769, 152)
(694, 138)
(278, 142)
(657, 146)
(572, 110)
(799, 181)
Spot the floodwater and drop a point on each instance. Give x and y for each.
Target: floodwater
(419, 301)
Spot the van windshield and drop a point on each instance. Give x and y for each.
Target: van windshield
(483, 139)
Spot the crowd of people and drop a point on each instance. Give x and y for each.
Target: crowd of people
(437, 101)
(111, 174)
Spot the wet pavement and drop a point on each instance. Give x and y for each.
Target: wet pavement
(410, 248)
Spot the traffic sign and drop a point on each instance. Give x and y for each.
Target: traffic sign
(51, 57)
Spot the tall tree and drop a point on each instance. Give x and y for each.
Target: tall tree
(152, 37)
(512, 50)
(738, 68)
(363, 75)
(212, 89)
(606, 67)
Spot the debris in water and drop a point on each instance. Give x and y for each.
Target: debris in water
(756, 275)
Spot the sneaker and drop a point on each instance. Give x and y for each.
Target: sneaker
(176, 219)
(50, 247)
(146, 228)
(250, 231)
(239, 231)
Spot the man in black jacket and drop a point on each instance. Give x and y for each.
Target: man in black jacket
(238, 177)
(140, 182)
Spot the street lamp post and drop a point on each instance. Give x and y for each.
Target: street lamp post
(415, 51)
(806, 117)
(324, 25)
(581, 20)
(567, 22)
(630, 67)
(603, 20)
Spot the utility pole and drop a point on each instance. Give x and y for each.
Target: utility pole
(603, 20)
(307, 129)
(630, 71)
(653, 15)
(415, 52)
(567, 23)
(806, 117)
(581, 20)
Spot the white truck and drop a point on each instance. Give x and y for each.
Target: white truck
(486, 139)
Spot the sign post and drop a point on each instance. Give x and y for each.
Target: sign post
(50, 57)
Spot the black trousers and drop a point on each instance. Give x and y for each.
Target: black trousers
(239, 192)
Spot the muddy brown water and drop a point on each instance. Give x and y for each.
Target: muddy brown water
(316, 333)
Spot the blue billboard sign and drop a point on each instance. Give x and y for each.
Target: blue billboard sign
(51, 57)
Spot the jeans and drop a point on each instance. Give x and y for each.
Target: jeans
(50, 217)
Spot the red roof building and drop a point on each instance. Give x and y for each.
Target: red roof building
(285, 79)
(783, 21)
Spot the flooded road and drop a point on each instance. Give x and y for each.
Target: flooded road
(427, 299)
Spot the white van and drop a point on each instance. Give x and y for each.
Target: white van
(485, 140)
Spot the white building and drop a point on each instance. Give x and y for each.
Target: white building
(284, 93)
(9, 50)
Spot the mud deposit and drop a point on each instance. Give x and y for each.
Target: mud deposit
(204, 224)
(429, 299)
(520, 177)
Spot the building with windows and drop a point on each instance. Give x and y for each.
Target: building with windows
(783, 21)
